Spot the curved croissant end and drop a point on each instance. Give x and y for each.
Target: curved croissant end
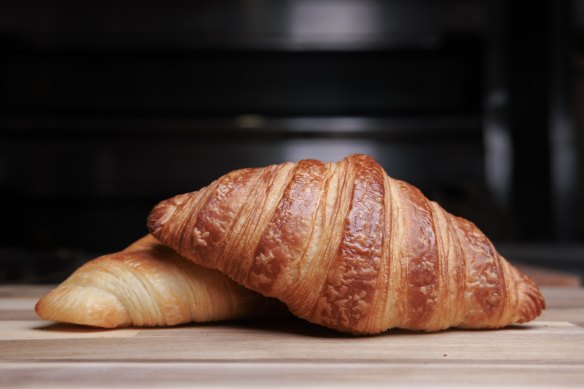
(348, 247)
(86, 305)
(148, 284)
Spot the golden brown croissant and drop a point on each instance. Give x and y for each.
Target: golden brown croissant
(148, 284)
(348, 247)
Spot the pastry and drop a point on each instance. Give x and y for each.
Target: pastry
(346, 246)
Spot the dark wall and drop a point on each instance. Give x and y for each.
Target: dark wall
(106, 109)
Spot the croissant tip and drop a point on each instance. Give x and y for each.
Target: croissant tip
(533, 301)
(78, 305)
(162, 212)
(39, 307)
(154, 217)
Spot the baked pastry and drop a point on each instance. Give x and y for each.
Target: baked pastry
(346, 246)
(148, 284)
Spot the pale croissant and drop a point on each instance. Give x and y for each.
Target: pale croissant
(148, 284)
(348, 247)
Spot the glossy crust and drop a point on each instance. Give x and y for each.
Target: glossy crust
(348, 247)
(148, 284)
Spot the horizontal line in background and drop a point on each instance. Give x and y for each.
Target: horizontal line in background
(550, 254)
(275, 43)
(247, 123)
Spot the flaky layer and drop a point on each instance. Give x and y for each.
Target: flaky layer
(148, 284)
(346, 246)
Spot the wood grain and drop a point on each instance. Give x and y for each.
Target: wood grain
(35, 353)
(279, 375)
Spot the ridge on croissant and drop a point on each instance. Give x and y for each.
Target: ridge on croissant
(148, 284)
(346, 246)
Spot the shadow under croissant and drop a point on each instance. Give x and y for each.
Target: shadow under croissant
(296, 326)
(287, 326)
(71, 328)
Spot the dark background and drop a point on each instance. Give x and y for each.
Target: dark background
(109, 107)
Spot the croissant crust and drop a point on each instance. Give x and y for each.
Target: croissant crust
(348, 247)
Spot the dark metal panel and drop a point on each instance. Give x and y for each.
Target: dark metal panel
(278, 25)
(529, 114)
(228, 83)
(563, 143)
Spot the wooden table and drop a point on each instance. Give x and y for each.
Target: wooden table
(34, 353)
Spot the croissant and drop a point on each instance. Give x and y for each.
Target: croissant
(148, 284)
(346, 246)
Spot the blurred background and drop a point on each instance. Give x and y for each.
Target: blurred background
(108, 107)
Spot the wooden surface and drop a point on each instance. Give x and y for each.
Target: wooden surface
(34, 353)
